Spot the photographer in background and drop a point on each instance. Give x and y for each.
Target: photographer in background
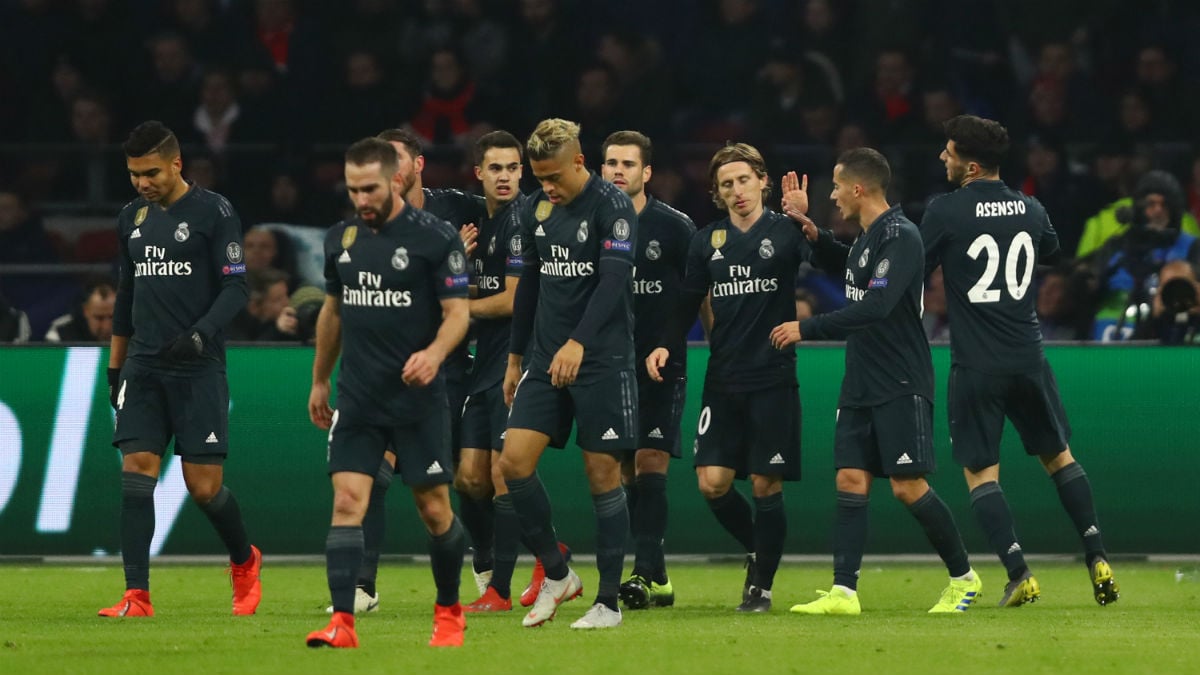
(1126, 267)
(1177, 304)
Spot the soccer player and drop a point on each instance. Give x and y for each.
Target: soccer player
(182, 280)
(571, 352)
(661, 255)
(988, 238)
(395, 306)
(750, 417)
(885, 411)
(498, 264)
(463, 211)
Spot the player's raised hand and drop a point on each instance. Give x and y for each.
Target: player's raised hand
(420, 369)
(565, 366)
(318, 405)
(656, 361)
(469, 235)
(785, 334)
(795, 194)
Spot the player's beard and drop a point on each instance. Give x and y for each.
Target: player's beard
(381, 214)
(956, 174)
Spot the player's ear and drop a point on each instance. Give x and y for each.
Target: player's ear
(579, 161)
(478, 172)
(646, 171)
(177, 163)
(419, 163)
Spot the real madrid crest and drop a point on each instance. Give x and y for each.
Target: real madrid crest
(582, 234)
(653, 250)
(718, 238)
(140, 216)
(766, 249)
(862, 259)
(400, 258)
(182, 233)
(621, 229)
(492, 245)
(349, 235)
(543, 210)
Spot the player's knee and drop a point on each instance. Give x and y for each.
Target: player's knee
(909, 490)
(349, 504)
(435, 514)
(712, 489)
(475, 484)
(652, 461)
(765, 486)
(852, 481)
(203, 493)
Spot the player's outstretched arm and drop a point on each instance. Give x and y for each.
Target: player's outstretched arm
(328, 346)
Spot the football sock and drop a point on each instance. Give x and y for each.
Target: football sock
(508, 534)
(995, 517)
(226, 517)
(374, 525)
(938, 523)
(649, 523)
(137, 527)
(446, 558)
(533, 510)
(631, 503)
(733, 512)
(612, 527)
(849, 537)
(770, 529)
(477, 517)
(1075, 493)
(343, 555)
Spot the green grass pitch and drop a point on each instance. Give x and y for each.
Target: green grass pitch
(49, 625)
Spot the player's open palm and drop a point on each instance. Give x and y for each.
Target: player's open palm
(318, 405)
(470, 238)
(785, 334)
(795, 194)
(420, 369)
(656, 361)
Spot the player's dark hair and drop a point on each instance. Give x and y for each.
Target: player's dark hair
(868, 166)
(371, 150)
(496, 139)
(404, 137)
(642, 141)
(978, 140)
(151, 136)
(737, 152)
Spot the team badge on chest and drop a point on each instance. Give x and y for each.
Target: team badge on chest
(582, 235)
(862, 259)
(766, 249)
(653, 250)
(182, 233)
(400, 258)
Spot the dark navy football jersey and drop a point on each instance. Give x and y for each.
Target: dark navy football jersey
(988, 237)
(174, 263)
(664, 235)
(887, 353)
(497, 257)
(751, 277)
(567, 243)
(391, 284)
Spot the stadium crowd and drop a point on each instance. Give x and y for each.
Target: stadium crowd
(1101, 97)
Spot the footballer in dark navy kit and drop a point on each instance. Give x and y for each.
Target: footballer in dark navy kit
(182, 280)
(749, 421)
(571, 353)
(659, 265)
(885, 412)
(395, 306)
(988, 238)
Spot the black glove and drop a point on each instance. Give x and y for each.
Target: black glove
(189, 346)
(114, 380)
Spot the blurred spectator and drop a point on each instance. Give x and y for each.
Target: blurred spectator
(545, 60)
(215, 39)
(1058, 64)
(484, 42)
(14, 325)
(645, 88)
(49, 110)
(728, 51)
(31, 35)
(781, 86)
(596, 100)
(1048, 110)
(806, 304)
(218, 114)
(368, 101)
(23, 237)
(171, 91)
(288, 200)
(1111, 176)
(936, 318)
(91, 319)
(1114, 219)
(265, 248)
(1177, 304)
(1048, 178)
(1126, 267)
(822, 31)
(1135, 121)
(296, 48)
(267, 317)
(103, 41)
(820, 121)
(449, 106)
(203, 171)
(1058, 305)
(971, 42)
(889, 107)
(938, 105)
(1169, 102)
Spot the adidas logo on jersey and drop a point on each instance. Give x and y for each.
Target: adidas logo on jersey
(717, 255)
(1091, 531)
(655, 433)
(433, 468)
(344, 257)
(212, 437)
(539, 232)
(137, 234)
(904, 459)
(1015, 548)
(777, 459)
(609, 435)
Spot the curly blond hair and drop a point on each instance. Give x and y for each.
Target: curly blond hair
(551, 137)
